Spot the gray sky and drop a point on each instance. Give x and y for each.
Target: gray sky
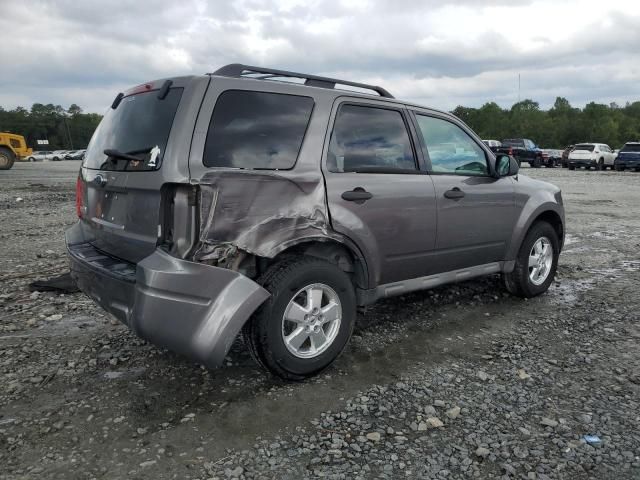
(441, 54)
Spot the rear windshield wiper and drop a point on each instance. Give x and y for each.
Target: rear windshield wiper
(110, 152)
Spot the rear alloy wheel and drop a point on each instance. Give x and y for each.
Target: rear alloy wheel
(7, 158)
(306, 323)
(536, 262)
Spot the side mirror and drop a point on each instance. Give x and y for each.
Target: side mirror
(506, 165)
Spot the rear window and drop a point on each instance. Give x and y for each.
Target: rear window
(631, 147)
(257, 130)
(585, 148)
(513, 142)
(139, 126)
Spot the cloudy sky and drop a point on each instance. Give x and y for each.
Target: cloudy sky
(441, 54)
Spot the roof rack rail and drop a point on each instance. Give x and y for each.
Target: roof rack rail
(239, 70)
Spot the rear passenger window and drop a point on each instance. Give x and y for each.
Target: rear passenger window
(256, 130)
(450, 149)
(369, 139)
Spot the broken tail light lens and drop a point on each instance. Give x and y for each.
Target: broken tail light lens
(79, 196)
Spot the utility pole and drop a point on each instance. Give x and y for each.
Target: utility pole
(64, 119)
(518, 88)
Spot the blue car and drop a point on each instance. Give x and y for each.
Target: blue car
(628, 157)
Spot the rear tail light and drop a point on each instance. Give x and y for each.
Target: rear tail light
(79, 196)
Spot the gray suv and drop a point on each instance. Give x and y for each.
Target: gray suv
(275, 203)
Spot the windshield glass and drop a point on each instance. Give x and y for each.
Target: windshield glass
(631, 147)
(139, 126)
(585, 147)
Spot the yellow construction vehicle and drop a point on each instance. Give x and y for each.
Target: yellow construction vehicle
(12, 147)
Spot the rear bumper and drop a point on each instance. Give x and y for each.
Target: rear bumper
(190, 308)
(627, 163)
(582, 162)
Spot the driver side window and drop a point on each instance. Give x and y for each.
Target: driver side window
(450, 149)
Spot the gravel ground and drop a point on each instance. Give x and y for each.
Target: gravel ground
(462, 381)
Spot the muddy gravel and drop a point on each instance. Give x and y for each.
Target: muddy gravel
(462, 381)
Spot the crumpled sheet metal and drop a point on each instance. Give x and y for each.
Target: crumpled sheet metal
(261, 213)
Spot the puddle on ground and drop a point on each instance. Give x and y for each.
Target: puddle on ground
(631, 265)
(610, 234)
(115, 374)
(570, 239)
(567, 291)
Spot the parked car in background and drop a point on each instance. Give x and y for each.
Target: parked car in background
(58, 155)
(628, 157)
(587, 155)
(75, 155)
(191, 238)
(39, 157)
(524, 150)
(551, 157)
(565, 156)
(492, 144)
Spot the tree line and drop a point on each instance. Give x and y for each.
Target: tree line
(65, 129)
(557, 127)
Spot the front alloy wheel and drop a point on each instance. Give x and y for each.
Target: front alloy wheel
(540, 261)
(536, 262)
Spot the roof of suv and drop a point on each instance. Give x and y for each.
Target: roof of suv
(293, 79)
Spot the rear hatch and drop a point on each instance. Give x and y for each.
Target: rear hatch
(141, 145)
(582, 152)
(630, 152)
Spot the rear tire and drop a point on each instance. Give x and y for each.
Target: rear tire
(537, 162)
(523, 281)
(7, 158)
(572, 167)
(294, 285)
(618, 168)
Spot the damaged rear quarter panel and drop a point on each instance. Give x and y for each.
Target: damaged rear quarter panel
(260, 212)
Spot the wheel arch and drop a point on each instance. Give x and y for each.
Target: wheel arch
(551, 213)
(340, 252)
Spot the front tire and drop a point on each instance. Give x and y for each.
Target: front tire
(536, 262)
(7, 158)
(308, 320)
(572, 167)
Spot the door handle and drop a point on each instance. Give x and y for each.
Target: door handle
(358, 194)
(454, 194)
